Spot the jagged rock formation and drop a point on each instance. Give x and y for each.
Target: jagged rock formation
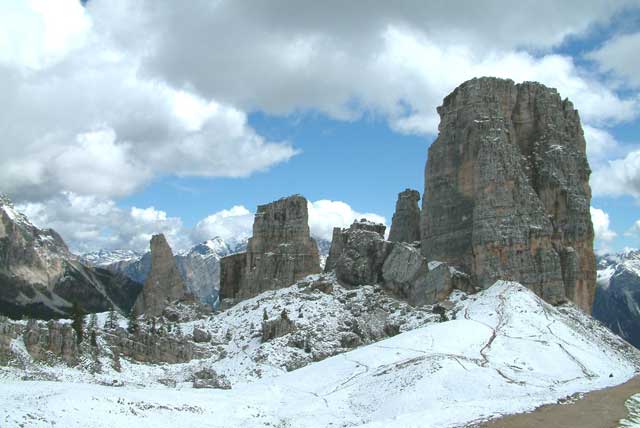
(277, 327)
(358, 253)
(199, 266)
(164, 284)
(507, 190)
(40, 278)
(617, 301)
(405, 225)
(280, 252)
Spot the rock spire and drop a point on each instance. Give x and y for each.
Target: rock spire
(507, 190)
(405, 225)
(164, 285)
(280, 252)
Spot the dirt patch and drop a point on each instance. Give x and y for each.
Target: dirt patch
(597, 409)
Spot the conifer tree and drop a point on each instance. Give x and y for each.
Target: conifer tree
(133, 326)
(78, 321)
(112, 320)
(93, 325)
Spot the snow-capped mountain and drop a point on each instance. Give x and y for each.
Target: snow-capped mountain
(617, 301)
(107, 257)
(40, 278)
(500, 351)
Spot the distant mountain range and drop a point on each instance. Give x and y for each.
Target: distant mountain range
(617, 302)
(199, 265)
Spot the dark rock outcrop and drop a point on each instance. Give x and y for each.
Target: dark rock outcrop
(164, 284)
(358, 253)
(405, 225)
(280, 252)
(277, 327)
(40, 278)
(617, 301)
(507, 190)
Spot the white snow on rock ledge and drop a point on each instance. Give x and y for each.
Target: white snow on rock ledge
(506, 352)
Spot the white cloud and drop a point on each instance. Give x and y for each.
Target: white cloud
(601, 145)
(619, 55)
(232, 225)
(325, 214)
(601, 226)
(89, 223)
(236, 224)
(85, 119)
(35, 33)
(618, 177)
(395, 60)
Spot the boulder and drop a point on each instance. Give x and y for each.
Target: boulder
(201, 336)
(358, 253)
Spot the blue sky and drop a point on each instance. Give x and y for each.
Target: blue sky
(126, 118)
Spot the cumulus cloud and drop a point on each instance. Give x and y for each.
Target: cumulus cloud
(619, 56)
(80, 116)
(395, 60)
(236, 224)
(618, 177)
(601, 227)
(233, 225)
(89, 223)
(325, 214)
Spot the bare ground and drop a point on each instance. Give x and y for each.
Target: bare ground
(597, 409)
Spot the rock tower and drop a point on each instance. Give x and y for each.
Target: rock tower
(507, 190)
(405, 225)
(164, 285)
(280, 252)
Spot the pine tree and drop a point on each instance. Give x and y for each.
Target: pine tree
(153, 325)
(78, 321)
(93, 325)
(133, 326)
(112, 320)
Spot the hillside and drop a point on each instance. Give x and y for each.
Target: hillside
(503, 351)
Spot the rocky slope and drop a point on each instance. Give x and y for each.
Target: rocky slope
(507, 190)
(40, 278)
(617, 302)
(500, 351)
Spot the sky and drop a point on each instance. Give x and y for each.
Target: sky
(124, 118)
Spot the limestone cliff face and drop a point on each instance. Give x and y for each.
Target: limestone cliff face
(507, 190)
(280, 252)
(405, 226)
(164, 284)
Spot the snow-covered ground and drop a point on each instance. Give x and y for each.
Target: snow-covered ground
(506, 351)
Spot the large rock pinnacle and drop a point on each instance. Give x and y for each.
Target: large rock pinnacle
(405, 226)
(164, 284)
(280, 252)
(507, 190)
